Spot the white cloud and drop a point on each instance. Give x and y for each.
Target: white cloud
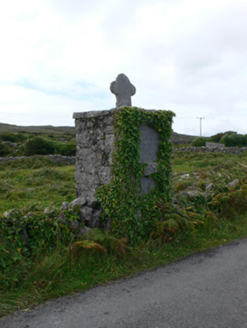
(60, 56)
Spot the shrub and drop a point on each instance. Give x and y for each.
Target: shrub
(12, 137)
(234, 140)
(216, 137)
(4, 149)
(199, 142)
(39, 146)
(65, 148)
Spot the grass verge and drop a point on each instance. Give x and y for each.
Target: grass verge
(61, 272)
(214, 209)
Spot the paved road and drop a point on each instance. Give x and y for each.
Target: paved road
(208, 290)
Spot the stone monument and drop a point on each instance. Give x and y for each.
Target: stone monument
(123, 90)
(96, 144)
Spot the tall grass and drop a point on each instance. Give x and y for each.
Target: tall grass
(35, 180)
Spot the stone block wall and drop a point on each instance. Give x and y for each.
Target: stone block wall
(94, 140)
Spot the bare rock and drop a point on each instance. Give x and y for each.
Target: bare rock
(65, 206)
(86, 213)
(95, 221)
(80, 201)
(92, 201)
(84, 231)
(232, 185)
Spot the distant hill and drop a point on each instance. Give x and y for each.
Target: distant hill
(176, 138)
(42, 129)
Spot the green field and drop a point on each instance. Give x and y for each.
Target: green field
(35, 180)
(40, 180)
(208, 210)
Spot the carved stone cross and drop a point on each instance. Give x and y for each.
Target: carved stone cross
(123, 90)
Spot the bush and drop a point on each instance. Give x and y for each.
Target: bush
(39, 146)
(216, 137)
(234, 140)
(65, 148)
(4, 149)
(199, 142)
(13, 137)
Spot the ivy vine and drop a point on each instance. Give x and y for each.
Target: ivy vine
(129, 211)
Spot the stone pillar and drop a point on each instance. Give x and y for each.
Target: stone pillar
(94, 140)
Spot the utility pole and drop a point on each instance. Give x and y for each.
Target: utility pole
(201, 118)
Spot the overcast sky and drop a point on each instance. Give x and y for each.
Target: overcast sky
(60, 56)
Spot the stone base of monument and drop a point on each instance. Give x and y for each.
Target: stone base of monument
(95, 140)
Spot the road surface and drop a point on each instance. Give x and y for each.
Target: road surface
(207, 290)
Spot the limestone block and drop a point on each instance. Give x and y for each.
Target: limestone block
(92, 201)
(80, 127)
(80, 201)
(86, 213)
(95, 139)
(105, 175)
(109, 140)
(84, 231)
(95, 221)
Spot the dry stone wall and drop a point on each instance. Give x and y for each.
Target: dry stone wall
(225, 150)
(70, 160)
(214, 145)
